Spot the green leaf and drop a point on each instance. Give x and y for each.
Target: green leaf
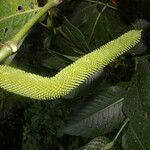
(68, 58)
(137, 99)
(101, 115)
(137, 108)
(75, 36)
(14, 14)
(137, 136)
(54, 62)
(66, 47)
(129, 142)
(95, 30)
(82, 13)
(97, 143)
(114, 24)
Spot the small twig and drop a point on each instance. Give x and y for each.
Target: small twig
(147, 56)
(45, 26)
(59, 29)
(101, 3)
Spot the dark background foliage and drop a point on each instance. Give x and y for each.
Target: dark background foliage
(98, 108)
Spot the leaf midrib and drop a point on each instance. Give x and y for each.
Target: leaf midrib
(135, 135)
(118, 101)
(19, 13)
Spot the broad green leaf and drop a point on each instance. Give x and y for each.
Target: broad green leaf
(101, 115)
(54, 62)
(66, 47)
(68, 58)
(129, 142)
(114, 24)
(95, 30)
(97, 143)
(75, 35)
(137, 136)
(137, 108)
(13, 15)
(82, 13)
(138, 97)
(92, 23)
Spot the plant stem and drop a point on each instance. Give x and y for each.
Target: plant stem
(101, 3)
(13, 45)
(111, 144)
(121, 129)
(99, 15)
(147, 56)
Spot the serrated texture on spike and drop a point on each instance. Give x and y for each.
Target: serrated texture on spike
(42, 88)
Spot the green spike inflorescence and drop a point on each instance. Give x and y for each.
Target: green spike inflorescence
(42, 88)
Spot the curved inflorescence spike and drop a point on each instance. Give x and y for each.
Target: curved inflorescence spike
(42, 88)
